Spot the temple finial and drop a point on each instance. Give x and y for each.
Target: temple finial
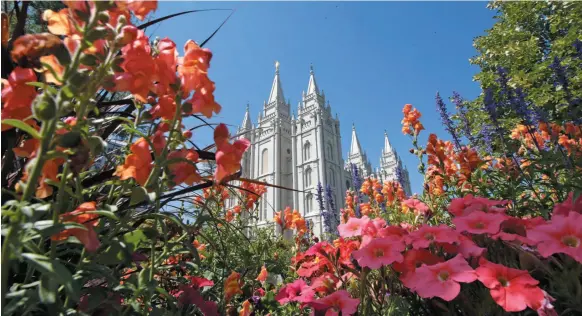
(277, 66)
(311, 68)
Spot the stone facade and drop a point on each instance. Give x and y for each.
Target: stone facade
(300, 151)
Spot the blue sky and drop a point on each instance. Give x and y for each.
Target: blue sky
(370, 58)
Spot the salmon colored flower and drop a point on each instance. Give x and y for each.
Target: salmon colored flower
(325, 283)
(338, 302)
(514, 290)
(298, 291)
(194, 66)
(354, 227)
(17, 96)
(58, 69)
(184, 172)
(380, 251)
(262, 277)
(49, 171)
(228, 156)
(229, 216)
(410, 123)
(562, 234)
(138, 164)
(167, 63)
(426, 234)
(441, 279)
(87, 236)
(479, 222)
(232, 286)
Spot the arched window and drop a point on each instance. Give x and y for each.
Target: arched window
(308, 177)
(265, 161)
(329, 152)
(306, 151)
(347, 184)
(308, 203)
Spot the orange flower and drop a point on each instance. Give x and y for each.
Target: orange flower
(194, 66)
(59, 70)
(50, 170)
(263, 274)
(246, 309)
(86, 236)
(139, 68)
(31, 47)
(17, 96)
(184, 172)
(203, 99)
(229, 216)
(59, 23)
(138, 164)
(139, 8)
(5, 29)
(166, 108)
(236, 209)
(410, 123)
(228, 156)
(166, 62)
(232, 286)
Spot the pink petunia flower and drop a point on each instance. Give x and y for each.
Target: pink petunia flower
(426, 234)
(479, 222)
(297, 291)
(469, 203)
(441, 279)
(337, 302)
(380, 251)
(568, 205)
(514, 290)
(562, 234)
(353, 227)
(418, 206)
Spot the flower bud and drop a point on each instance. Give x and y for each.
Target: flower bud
(45, 109)
(187, 134)
(89, 60)
(127, 35)
(97, 33)
(70, 139)
(103, 17)
(121, 20)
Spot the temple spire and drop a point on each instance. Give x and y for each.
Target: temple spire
(355, 148)
(276, 89)
(312, 86)
(246, 123)
(387, 146)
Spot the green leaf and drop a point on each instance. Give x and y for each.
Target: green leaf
(22, 126)
(47, 290)
(107, 214)
(138, 195)
(144, 278)
(55, 270)
(134, 238)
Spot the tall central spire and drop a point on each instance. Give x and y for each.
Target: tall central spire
(276, 89)
(312, 86)
(246, 123)
(355, 148)
(387, 146)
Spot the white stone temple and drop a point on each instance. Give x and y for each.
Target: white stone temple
(300, 151)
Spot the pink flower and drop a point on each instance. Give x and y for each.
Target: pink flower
(297, 291)
(479, 222)
(337, 302)
(512, 289)
(467, 204)
(568, 205)
(441, 279)
(380, 251)
(414, 258)
(325, 283)
(189, 294)
(468, 248)
(426, 234)
(353, 227)
(514, 228)
(416, 205)
(562, 234)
